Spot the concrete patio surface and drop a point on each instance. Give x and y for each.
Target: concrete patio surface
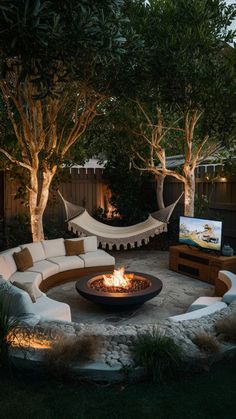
(178, 292)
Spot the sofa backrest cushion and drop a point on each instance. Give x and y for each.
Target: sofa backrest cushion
(23, 259)
(14, 302)
(7, 264)
(90, 243)
(36, 249)
(53, 248)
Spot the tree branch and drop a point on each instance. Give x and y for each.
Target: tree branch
(14, 160)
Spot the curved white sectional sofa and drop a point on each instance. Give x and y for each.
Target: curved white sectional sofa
(50, 267)
(204, 306)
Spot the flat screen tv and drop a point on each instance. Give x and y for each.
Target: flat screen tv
(202, 233)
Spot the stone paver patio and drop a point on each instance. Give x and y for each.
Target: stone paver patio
(178, 292)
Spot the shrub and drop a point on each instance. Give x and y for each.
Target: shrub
(158, 354)
(10, 327)
(227, 329)
(68, 351)
(201, 205)
(206, 343)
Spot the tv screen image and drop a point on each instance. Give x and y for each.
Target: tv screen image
(201, 233)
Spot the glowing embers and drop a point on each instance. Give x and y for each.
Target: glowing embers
(118, 289)
(119, 282)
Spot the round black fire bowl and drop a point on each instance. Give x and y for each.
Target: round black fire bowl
(119, 300)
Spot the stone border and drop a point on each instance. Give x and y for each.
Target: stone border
(115, 353)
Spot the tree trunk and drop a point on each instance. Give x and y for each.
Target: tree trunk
(189, 194)
(36, 225)
(160, 178)
(38, 198)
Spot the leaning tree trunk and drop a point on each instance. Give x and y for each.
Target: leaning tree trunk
(160, 178)
(189, 193)
(38, 198)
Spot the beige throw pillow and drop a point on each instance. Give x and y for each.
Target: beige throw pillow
(23, 260)
(74, 248)
(30, 288)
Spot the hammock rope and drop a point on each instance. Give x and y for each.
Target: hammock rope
(82, 224)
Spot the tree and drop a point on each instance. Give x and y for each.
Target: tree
(188, 73)
(155, 137)
(59, 62)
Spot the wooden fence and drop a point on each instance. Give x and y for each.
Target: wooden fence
(220, 195)
(86, 188)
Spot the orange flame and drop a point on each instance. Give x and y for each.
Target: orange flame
(118, 279)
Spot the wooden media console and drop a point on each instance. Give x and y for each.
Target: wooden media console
(199, 264)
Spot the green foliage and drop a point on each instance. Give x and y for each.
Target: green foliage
(188, 62)
(201, 205)
(8, 325)
(17, 231)
(58, 41)
(5, 328)
(129, 194)
(158, 354)
(54, 229)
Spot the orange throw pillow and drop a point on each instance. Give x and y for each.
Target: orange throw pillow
(23, 259)
(74, 247)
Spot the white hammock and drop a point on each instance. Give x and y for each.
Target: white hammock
(81, 223)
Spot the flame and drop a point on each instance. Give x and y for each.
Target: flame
(118, 279)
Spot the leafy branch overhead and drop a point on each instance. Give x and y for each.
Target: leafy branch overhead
(59, 62)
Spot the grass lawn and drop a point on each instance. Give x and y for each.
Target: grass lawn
(209, 395)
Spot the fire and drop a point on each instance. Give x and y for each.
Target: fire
(118, 279)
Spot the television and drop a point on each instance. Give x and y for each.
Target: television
(201, 233)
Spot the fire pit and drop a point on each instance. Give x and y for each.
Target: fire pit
(119, 290)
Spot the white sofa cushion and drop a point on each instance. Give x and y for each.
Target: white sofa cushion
(66, 263)
(36, 250)
(27, 276)
(196, 314)
(7, 263)
(44, 267)
(54, 248)
(229, 278)
(90, 243)
(49, 309)
(98, 258)
(202, 302)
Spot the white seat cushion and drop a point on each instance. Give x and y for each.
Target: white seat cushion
(49, 309)
(54, 248)
(7, 264)
(27, 276)
(90, 243)
(36, 250)
(98, 258)
(196, 314)
(44, 267)
(202, 302)
(67, 262)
